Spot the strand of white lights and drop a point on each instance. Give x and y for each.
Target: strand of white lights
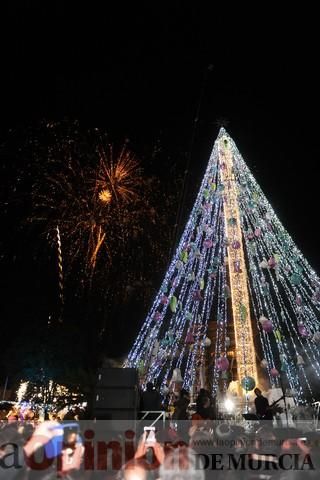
(315, 361)
(133, 356)
(283, 348)
(181, 296)
(216, 216)
(258, 312)
(217, 278)
(206, 308)
(313, 358)
(294, 250)
(267, 307)
(193, 354)
(221, 313)
(251, 224)
(281, 252)
(169, 297)
(220, 317)
(194, 351)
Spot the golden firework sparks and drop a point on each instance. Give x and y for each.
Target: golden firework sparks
(118, 175)
(105, 195)
(85, 197)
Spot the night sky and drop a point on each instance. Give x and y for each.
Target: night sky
(140, 69)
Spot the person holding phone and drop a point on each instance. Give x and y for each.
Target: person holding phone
(141, 466)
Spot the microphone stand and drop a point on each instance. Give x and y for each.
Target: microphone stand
(284, 400)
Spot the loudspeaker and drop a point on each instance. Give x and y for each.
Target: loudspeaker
(117, 377)
(117, 398)
(116, 394)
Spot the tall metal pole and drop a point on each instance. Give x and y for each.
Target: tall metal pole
(245, 350)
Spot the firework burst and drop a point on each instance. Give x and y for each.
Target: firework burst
(105, 195)
(118, 175)
(92, 199)
(107, 223)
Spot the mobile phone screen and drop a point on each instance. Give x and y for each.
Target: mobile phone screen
(70, 433)
(150, 435)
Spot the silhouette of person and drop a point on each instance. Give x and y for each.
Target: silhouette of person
(261, 403)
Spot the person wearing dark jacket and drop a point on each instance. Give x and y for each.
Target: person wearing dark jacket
(204, 408)
(263, 410)
(206, 405)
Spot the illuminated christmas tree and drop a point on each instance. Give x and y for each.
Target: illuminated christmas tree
(238, 269)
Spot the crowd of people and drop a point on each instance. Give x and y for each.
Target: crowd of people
(192, 444)
(36, 414)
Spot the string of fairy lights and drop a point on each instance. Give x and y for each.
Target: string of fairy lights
(235, 265)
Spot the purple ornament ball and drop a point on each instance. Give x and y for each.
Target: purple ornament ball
(222, 364)
(267, 326)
